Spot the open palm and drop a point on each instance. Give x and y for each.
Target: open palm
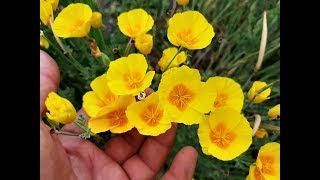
(126, 156)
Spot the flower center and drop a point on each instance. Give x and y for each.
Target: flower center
(180, 96)
(257, 174)
(221, 100)
(133, 30)
(76, 25)
(152, 115)
(118, 117)
(134, 80)
(221, 137)
(107, 100)
(187, 36)
(267, 162)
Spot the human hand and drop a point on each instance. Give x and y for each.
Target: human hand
(126, 156)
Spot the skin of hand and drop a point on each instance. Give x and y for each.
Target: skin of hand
(126, 156)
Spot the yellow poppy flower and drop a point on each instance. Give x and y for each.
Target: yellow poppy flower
(100, 97)
(74, 21)
(225, 135)
(257, 85)
(267, 164)
(144, 43)
(190, 29)
(54, 3)
(96, 20)
(46, 12)
(184, 96)
(167, 56)
(148, 116)
(60, 109)
(127, 75)
(274, 112)
(183, 2)
(113, 117)
(228, 93)
(135, 22)
(261, 133)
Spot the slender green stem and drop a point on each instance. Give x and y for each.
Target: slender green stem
(103, 43)
(248, 80)
(66, 133)
(63, 55)
(84, 129)
(193, 4)
(72, 60)
(260, 91)
(59, 40)
(180, 49)
(80, 126)
(129, 45)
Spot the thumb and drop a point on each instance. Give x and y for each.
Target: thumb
(49, 78)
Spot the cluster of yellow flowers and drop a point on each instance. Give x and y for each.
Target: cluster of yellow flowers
(182, 96)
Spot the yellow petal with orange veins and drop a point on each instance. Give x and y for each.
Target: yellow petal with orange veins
(225, 135)
(268, 160)
(135, 22)
(113, 117)
(74, 21)
(190, 29)
(182, 94)
(228, 93)
(100, 97)
(128, 75)
(148, 116)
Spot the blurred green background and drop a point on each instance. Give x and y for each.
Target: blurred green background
(233, 53)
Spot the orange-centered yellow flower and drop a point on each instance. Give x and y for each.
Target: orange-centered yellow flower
(226, 134)
(267, 164)
(74, 21)
(258, 85)
(228, 93)
(100, 97)
(167, 56)
(46, 12)
(148, 116)
(190, 29)
(274, 112)
(183, 2)
(184, 96)
(113, 117)
(144, 43)
(128, 75)
(96, 20)
(135, 22)
(60, 109)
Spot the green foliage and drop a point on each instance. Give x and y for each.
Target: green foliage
(232, 53)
